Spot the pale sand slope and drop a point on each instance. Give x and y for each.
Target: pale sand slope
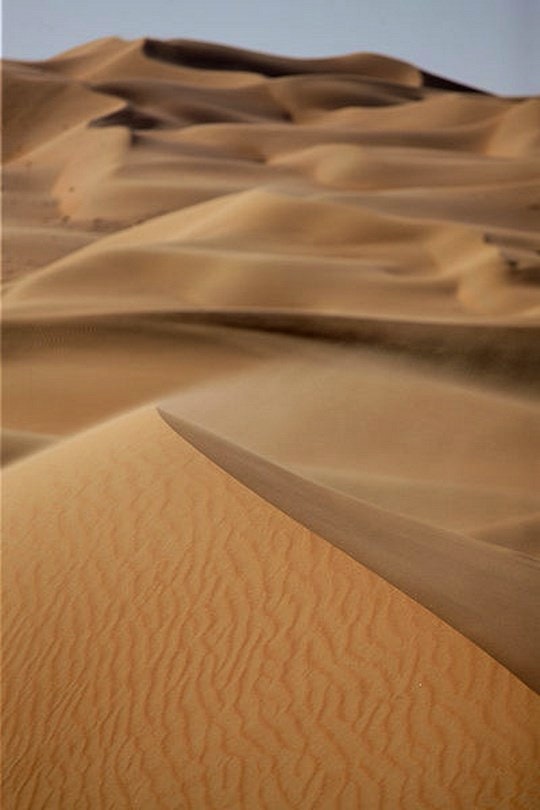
(172, 640)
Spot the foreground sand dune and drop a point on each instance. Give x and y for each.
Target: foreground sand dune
(229, 277)
(175, 641)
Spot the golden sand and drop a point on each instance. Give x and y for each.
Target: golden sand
(270, 411)
(172, 640)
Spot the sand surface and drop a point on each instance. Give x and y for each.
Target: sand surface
(173, 640)
(270, 395)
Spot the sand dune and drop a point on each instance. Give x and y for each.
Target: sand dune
(174, 641)
(323, 274)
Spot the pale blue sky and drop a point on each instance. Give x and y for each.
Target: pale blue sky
(492, 44)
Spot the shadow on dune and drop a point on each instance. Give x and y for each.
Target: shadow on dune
(211, 56)
(487, 592)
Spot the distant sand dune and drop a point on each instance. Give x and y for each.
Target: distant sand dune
(324, 274)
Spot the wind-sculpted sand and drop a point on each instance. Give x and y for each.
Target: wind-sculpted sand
(172, 640)
(272, 510)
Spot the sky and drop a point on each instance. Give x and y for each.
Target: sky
(491, 44)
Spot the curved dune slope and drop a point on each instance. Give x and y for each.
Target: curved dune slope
(172, 640)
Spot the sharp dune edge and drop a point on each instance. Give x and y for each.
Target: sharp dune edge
(259, 312)
(469, 584)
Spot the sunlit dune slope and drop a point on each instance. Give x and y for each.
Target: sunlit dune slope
(172, 640)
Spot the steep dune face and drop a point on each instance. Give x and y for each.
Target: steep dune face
(324, 274)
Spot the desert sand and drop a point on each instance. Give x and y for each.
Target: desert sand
(271, 433)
